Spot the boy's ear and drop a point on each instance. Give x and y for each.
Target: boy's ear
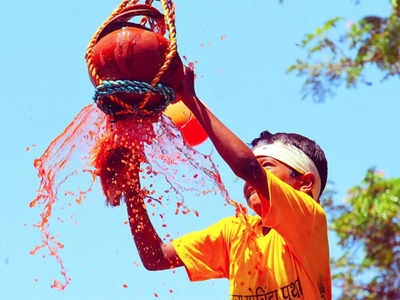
(307, 183)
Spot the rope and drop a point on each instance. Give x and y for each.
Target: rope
(108, 88)
(169, 12)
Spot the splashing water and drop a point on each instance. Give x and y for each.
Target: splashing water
(121, 153)
(55, 168)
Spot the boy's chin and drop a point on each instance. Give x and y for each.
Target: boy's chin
(254, 203)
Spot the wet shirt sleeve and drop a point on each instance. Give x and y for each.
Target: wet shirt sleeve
(204, 253)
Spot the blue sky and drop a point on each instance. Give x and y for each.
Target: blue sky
(241, 78)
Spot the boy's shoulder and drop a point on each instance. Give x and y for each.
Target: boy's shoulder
(240, 222)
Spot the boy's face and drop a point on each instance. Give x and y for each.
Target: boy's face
(280, 170)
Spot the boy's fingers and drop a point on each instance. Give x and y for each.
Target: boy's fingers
(187, 71)
(186, 87)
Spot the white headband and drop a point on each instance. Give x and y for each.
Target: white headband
(294, 158)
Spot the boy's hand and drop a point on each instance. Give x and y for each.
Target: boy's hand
(186, 89)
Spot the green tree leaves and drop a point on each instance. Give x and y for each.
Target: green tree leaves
(334, 58)
(368, 227)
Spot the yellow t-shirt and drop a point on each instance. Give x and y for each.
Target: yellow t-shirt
(290, 262)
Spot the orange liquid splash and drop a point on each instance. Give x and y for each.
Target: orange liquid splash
(61, 160)
(121, 153)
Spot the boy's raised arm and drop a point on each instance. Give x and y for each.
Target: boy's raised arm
(236, 154)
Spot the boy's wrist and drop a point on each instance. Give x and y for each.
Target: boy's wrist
(188, 99)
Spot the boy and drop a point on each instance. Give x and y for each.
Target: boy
(280, 254)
